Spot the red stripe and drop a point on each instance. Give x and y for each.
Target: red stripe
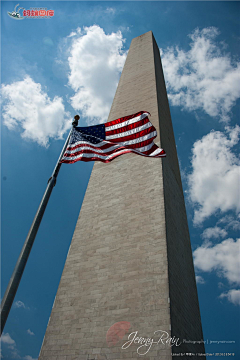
(153, 148)
(88, 151)
(162, 154)
(140, 144)
(120, 120)
(120, 148)
(134, 136)
(109, 144)
(128, 127)
(95, 158)
(105, 146)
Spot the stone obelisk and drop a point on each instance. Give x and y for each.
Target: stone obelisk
(130, 261)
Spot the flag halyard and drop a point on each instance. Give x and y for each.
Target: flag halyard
(105, 142)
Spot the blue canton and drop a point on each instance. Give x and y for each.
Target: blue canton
(92, 134)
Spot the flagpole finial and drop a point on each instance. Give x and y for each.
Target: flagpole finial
(75, 122)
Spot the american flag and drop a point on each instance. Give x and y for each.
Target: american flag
(133, 133)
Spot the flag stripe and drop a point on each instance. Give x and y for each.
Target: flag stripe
(151, 152)
(90, 157)
(107, 158)
(127, 118)
(128, 131)
(104, 144)
(138, 135)
(128, 127)
(125, 122)
(85, 148)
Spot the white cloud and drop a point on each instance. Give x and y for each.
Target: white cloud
(19, 304)
(214, 181)
(73, 33)
(11, 345)
(110, 10)
(6, 339)
(214, 232)
(222, 258)
(200, 279)
(28, 357)
(14, 353)
(203, 77)
(30, 332)
(28, 107)
(230, 222)
(233, 296)
(96, 60)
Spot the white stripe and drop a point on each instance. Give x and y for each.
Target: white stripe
(120, 152)
(127, 122)
(80, 148)
(86, 142)
(156, 152)
(142, 138)
(146, 148)
(130, 132)
(107, 157)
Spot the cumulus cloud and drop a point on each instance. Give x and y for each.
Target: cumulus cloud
(30, 332)
(96, 60)
(214, 232)
(6, 339)
(202, 78)
(200, 279)
(222, 258)
(11, 345)
(28, 108)
(214, 180)
(232, 295)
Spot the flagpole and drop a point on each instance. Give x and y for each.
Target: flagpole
(22, 260)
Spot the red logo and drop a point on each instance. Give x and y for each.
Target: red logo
(116, 332)
(38, 13)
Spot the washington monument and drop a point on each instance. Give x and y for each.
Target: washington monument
(128, 288)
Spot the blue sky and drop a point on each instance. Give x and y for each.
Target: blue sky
(70, 64)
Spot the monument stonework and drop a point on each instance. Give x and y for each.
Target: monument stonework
(130, 260)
